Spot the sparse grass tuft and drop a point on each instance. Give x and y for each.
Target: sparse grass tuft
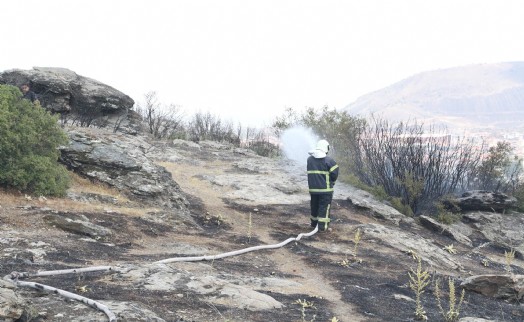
(450, 249)
(356, 242)
(249, 228)
(418, 281)
(305, 304)
(509, 256)
(453, 312)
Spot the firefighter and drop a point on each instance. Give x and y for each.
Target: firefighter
(322, 172)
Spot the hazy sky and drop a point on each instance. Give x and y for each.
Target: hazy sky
(247, 60)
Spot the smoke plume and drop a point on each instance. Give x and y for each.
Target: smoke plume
(297, 142)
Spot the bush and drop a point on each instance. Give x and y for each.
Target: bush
(29, 140)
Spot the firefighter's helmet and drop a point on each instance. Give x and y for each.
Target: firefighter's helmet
(323, 146)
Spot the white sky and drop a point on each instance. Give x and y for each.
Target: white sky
(247, 60)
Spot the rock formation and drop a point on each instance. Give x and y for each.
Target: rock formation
(485, 201)
(62, 90)
(120, 161)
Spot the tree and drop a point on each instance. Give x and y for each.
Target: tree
(162, 121)
(498, 171)
(29, 141)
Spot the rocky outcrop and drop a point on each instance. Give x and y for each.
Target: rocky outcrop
(11, 305)
(62, 90)
(411, 243)
(485, 201)
(218, 291)
(446, 230)
(365, 200)
(120, 161)
(502, 230)
(509, 287)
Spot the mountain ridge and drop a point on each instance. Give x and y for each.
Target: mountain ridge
(466, 96)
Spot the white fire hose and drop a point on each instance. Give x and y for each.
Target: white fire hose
(15, 277)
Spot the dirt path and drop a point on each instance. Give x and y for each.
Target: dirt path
(311, 280)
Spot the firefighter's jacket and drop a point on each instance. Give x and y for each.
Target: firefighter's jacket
(321, 174)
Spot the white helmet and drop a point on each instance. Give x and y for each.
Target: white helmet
(320, 150)
(323, 146)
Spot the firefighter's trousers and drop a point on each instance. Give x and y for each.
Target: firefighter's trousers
(320, 207)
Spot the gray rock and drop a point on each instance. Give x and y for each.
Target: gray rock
(120, 161)
(365, 200)
(132, 311)
(447, 230)
(185, 144)
(504, 230)
(509, 287)
(212, 145)
(473, 319)
(211, 289)
(77, 224)
(11, 306)
(485, 201)
(408, 243)
(61, 90)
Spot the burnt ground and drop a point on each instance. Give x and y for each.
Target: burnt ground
(369, 286)
(372, 289)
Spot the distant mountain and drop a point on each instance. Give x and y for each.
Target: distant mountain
(487, 95)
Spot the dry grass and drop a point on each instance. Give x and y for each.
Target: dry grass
(11, 198)
(80, 184)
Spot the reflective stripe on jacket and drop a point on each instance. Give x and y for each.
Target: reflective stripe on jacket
(321, 175)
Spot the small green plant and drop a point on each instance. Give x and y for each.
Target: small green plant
(418, 281)
(356, 242)
(447, 217)
(305, 304)
(485, 262)
(219, 219)
(450, 249)
(334, 319)
(249, 228)
(401, 207)
(509, 256)
(453, 312)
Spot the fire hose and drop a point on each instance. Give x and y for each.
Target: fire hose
(15, 277)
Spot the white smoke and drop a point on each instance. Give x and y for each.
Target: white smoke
(297, 142)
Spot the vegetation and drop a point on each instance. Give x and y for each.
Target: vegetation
(168, 122)
(509, 257)
(411, 165)
(418, 281)
(29, 141)
(161, 121)
(453, 313)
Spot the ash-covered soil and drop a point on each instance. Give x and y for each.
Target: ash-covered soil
(315, 279)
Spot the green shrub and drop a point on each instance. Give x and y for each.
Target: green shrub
(447, 210)
(29, 140)
(397, 203)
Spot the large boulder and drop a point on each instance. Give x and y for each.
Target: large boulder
(120, 161)
(509, 287)
(485, 201)
(62, 90)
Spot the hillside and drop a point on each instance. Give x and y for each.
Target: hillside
(475, 96)
(231, 199)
